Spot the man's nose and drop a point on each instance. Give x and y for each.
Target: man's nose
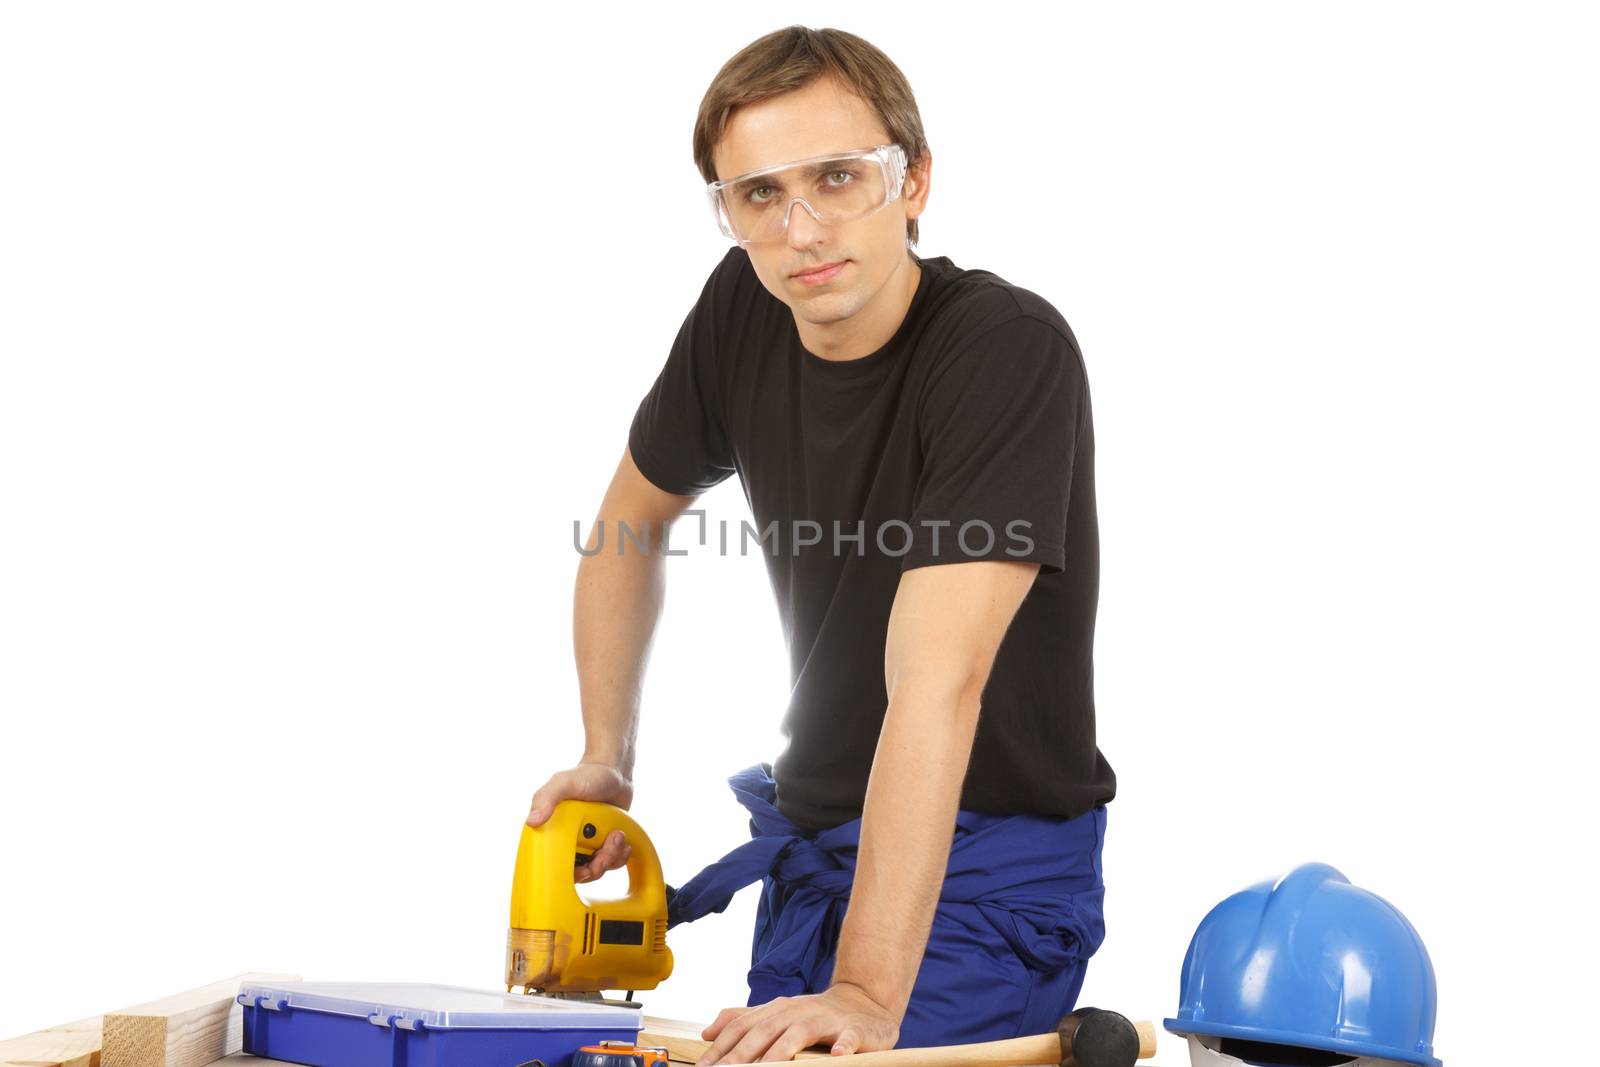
(803, 225)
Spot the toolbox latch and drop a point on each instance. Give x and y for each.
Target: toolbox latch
(259, 1001)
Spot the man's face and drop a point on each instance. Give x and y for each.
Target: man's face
(819, 119)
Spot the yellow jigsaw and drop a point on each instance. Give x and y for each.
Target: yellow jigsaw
(561, 945)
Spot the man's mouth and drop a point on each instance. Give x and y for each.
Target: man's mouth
(822, 274)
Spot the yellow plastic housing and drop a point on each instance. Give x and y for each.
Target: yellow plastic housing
(558, 943)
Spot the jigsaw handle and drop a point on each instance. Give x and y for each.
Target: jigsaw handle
(546, 855)
(645, 881)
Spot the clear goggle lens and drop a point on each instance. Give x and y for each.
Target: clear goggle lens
(841, 188)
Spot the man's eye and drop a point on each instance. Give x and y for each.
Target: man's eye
(848, 176)
(760, 194)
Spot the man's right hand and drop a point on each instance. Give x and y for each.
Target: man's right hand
(588, 781)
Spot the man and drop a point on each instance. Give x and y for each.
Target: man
(930, 875)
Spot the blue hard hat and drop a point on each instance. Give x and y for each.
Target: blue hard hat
(1310, 961)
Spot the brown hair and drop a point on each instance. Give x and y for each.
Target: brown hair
(791, 58)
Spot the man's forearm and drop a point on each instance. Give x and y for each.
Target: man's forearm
(616, 602)
(913, 795)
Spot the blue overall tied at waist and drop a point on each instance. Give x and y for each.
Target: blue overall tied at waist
(1018, 917)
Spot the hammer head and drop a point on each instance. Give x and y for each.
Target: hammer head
(1094, 1037)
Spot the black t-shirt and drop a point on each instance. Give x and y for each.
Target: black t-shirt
(966, 436)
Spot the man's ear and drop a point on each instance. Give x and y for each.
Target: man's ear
(919, 178)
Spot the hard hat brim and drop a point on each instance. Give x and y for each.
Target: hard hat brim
(1287, 1037)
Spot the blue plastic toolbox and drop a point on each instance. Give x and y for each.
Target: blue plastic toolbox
(380, 1024)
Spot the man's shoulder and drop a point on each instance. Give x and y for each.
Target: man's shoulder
(971, 302)
(978, 315)
(734, 269)
(733, 260)
(732, 292)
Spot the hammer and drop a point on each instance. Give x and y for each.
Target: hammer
(1087, 1037)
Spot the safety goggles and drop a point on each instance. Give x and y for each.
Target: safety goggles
(837, 188)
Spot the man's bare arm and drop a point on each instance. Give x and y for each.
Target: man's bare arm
(616, 603)
(944, 631)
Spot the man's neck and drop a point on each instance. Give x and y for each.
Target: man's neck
(870, 328)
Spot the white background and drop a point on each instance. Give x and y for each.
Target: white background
(321, 323)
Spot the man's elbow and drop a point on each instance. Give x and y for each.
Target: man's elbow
(956, 684)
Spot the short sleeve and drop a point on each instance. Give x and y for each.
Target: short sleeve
(677, 438)
(999, 424)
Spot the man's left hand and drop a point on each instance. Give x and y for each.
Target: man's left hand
(843, 1016)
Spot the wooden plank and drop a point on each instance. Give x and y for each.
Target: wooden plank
(190, 1029)
(75, 1044)
(178, 1031)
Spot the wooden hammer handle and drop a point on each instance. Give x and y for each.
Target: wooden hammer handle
(1011, 1052)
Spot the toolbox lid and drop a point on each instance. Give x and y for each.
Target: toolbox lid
(442, 1007)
